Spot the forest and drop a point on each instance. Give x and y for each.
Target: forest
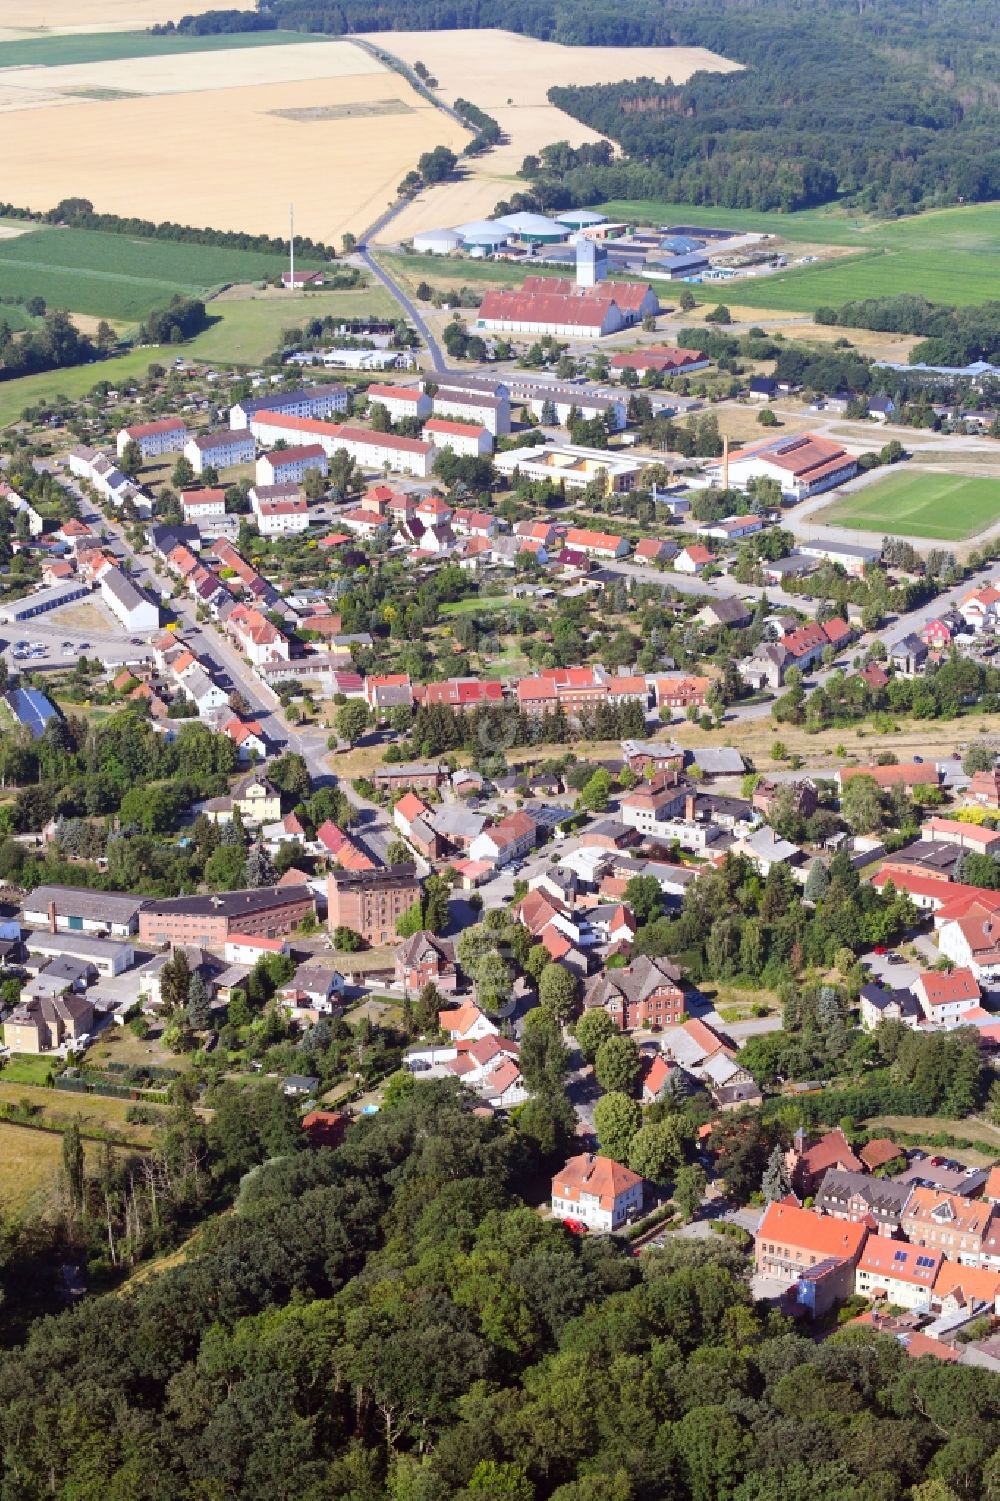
(890, 106)
(950, 335)
(388, 1322)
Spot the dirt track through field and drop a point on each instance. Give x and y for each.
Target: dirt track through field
(508, 76)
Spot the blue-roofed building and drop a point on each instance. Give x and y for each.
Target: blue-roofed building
(681, 244)
(32, 709)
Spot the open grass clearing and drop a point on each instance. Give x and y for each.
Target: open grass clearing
(948, 255)
(248, 326)
(60, 1107)
(932, 1125)
(51, 51)
(26, 1068)
(31, 1167)
(946, 506)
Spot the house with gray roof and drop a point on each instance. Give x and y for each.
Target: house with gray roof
(852, 1196)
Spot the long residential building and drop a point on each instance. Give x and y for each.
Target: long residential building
(219, 450)
(166, 435)
(313, 401)
(375, 450)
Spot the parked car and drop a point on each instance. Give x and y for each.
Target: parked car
(575, 1227)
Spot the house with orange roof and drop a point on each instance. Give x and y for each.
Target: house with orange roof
(946, 1222)
(509, 840)
(901, 1274)
(463, 438)
(596, 1191)
(656, 1079)
(980, 609)
(959, 1287)
(693, 559)
(401, 401)
(256, 637)
(406, 812)
(342, 849)
(972, 940)
(597, 544)
(466, 1023)
(907, 774)
(946, 996)
(879, 1152)
(815, 1254)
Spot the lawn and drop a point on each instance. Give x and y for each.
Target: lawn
(109, 46)
(946, 506)
(478, 604)
(250, 328)
(114, 276)
(30, 1167)
(75, 382)
(16, 318)
(26, 1068)
(948, 255)
(94, 1112)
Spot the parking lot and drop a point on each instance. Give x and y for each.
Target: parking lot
(58, 640)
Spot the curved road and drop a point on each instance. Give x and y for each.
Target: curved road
(434, 349)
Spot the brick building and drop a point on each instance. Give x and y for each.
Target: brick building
(267, 912)
(371, 902)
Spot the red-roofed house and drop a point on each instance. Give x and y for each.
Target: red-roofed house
(693, 559)
(946, 997)
(662, 359)
(794, 1245)
(803, 464)
(463, 438)
(167, 435)
(600, 1193)
(902, 1274)
(808, 1162)
(511, 839)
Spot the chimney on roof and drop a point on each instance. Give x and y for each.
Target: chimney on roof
(51, 914)
(690, 806)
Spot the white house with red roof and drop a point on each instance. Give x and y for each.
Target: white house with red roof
(466, 1023)
(980, 609)
(803, 464)
(401, 401)
(509, 840)
(946, 996)
(597, 1191)
(463, 438)
(693, 559)
(899, 1273)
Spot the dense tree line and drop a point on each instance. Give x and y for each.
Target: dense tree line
(488, 132)
(55, 345)
(951, 335)
(78, 213)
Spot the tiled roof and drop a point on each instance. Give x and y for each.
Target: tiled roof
(789, 1225)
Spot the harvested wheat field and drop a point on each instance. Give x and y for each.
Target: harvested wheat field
(269, 127)
(30, 17)
(509, 77)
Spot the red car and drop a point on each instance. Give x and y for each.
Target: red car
(575, 1227)
(880, 949)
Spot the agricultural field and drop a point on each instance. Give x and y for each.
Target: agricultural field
(41, 16)
(170, 137)
(112, 276)
(945, 506)
(16, 318)
(31, 1165)
(52, 51)
(509, 76)
(949, 255)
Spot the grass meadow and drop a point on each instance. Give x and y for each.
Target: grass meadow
(946, 506)
(948, 255)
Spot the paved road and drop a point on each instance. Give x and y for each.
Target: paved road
(409, 308)
(711, 588)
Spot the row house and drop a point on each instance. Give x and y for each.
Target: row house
(948, 1223)
(816, 1254)
(857, 1196)
(390, 690)
(401, 402)
(289, 466)
(310, 401)
(366, 447)
(679, 692)
(256, 636)
(490, 411)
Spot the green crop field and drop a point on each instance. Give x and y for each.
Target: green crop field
(15, 317)
(109, 46)
(115, 276)
(946, 506)
(949, 255)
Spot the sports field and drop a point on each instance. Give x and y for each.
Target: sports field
(112, 276)
(949, 255)
(949, 507)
